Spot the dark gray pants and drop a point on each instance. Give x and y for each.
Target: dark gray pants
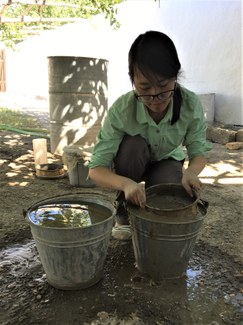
(133, 160)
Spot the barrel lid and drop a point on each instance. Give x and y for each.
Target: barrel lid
(68, 57)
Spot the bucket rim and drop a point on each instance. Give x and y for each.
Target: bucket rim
(197, 218)
(172, 185)
(35, 205)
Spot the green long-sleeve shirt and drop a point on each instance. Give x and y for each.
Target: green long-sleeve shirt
(129, 116)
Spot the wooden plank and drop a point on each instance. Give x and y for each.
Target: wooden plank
(31, 3)
(37, 19)
(27, 10)
(2, 8)
(39, 3)
(2, 70)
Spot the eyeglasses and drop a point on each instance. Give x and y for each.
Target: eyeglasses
(163, 96)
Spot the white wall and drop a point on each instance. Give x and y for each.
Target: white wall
(207, 34)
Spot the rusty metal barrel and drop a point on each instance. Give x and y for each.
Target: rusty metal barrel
(78, 100)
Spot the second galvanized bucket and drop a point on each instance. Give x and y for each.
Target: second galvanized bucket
(164, 238)
(73, 257)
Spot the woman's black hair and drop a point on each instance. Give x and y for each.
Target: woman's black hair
(155, 55)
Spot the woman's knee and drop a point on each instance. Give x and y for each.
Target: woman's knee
(164, 171)
(135, 145)
(132, 157)
(132, 147)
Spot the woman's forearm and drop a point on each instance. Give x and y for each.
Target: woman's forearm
(197, 164)
(103, 176)
(133, 191)
(190, 177)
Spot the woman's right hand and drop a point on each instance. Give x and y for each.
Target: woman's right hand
(135, 193)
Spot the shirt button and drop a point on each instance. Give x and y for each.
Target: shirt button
(157, 131)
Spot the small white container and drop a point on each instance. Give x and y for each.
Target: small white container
(40, 151)
(76, 158)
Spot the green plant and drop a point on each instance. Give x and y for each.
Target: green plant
(20, 17)
(16, 119)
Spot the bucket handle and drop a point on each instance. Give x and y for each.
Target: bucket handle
(202, 206)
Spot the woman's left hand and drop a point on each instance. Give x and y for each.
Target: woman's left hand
(191, 182)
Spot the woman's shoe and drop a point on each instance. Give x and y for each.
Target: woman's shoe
(121, 232)
(122, 228)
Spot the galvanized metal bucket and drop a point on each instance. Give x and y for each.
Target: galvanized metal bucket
(164, 238)
(73, 258)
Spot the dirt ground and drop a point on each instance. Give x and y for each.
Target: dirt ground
(211, 292)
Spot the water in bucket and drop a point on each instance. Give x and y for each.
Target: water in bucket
(68, 215)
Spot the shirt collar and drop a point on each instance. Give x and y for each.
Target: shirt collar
(142, 114)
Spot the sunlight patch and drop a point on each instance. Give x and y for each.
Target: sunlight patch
(16, 166)
(223, 181)
(214, 170)
(18, 184)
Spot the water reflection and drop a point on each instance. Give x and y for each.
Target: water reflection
(192, 302)
(192, 277)
(68, 215)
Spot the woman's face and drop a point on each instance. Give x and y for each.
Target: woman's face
(147, 90)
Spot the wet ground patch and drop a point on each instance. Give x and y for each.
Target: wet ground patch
(210, 293)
